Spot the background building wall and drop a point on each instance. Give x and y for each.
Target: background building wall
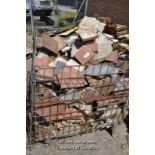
(118, 10)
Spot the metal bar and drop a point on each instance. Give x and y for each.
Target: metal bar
(79, 10)
(86, 7)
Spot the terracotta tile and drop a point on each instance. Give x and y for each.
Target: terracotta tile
(93, 46)
(42, 62)
(53, 44)
(45, 73)
(84, 55)
(70, 78)
(57, 112)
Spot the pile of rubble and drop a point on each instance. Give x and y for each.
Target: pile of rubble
(76, 70)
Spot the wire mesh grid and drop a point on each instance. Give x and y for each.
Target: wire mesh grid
(67, 101)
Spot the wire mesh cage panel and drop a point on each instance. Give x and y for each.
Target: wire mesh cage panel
(71, 100)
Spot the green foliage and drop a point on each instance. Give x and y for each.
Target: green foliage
(55, 2)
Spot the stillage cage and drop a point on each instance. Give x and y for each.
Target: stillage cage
(66, 99)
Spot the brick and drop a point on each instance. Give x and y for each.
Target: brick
(84, 55)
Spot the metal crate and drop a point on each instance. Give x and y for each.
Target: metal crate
(71, 100)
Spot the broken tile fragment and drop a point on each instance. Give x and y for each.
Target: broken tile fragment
(45, 73)
(70, 78)
(101, 70)
(47, 109)
(53, 44)
(105, 86)
(70, 95)
(42, 62)
(84, 55)
(75, 65)
(58, 59)
(89, 94)
(93, 46)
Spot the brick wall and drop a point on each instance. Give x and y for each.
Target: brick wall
(118, 10)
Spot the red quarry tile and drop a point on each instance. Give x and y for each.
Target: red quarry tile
(84, 55)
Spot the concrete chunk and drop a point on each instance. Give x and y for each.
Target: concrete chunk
(87, 35)
(92, 24)
(104, 49)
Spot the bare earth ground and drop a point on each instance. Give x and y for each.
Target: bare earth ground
(104, 142)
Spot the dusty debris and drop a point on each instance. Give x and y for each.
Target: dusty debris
(116, 29)
(105, 20)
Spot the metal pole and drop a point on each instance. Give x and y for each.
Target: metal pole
(79, 10)
(86, 7)
(33, 35)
